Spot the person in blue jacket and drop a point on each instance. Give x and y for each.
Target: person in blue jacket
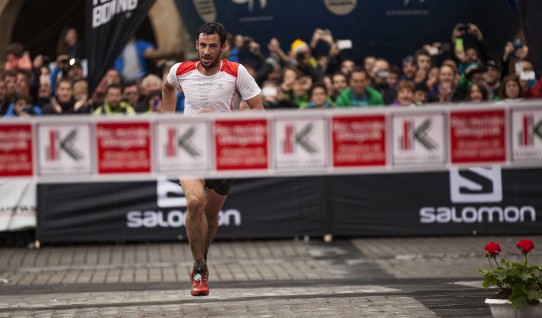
(131, 63)
(22, 107)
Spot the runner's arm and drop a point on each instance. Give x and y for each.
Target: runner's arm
(169, 97)
(255, 103)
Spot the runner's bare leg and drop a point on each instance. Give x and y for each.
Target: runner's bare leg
(213, 206)
(195, 221)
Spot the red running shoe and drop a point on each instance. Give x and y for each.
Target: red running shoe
(199, 285)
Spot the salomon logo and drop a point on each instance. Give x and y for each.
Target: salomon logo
(169, 194)
(476, 185)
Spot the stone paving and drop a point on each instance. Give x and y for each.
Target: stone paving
(369, 277)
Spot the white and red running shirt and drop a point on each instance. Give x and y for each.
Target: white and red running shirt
(221, 92)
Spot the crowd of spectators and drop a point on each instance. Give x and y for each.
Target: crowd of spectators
(300, 76)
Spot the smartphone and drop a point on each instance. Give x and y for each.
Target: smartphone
(344, 44)
(433, 51)
(527, 76)
(459, 47)
(269, 91)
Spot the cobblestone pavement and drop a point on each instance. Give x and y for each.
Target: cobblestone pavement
(370, 277)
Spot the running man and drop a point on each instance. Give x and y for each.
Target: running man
(210, 85)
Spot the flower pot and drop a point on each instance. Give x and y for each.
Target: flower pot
(502, 308)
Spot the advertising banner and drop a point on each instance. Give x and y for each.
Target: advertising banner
(109, 26)
(484, 201)
(17, 205)
(300, 143)
(16, 146)
(183, 147)
(64, 149)
(419, 139)
(359, 141)
(241, 144)
(526, 135)
(156, 210)
(123, 147)
(478, 136)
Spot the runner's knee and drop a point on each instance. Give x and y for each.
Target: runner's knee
(195, 203)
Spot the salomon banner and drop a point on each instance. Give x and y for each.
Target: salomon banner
(484, 201)
(150, 211)
(109, 26)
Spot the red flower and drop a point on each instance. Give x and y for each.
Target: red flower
(493, 249)
(525, 246)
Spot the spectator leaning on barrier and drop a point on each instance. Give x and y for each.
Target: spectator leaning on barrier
(359, 94)
(22, 107)
(421, 93)
(318, 97)
(113, 104)
(478, 92)
(154, 102)
(405, 94)
(131, 93)
(64, 102)
(511, 90)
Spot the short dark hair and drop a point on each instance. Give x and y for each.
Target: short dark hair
(117, 86)
(317, 85)
(23, 96)
(213, 28)
(358, 69)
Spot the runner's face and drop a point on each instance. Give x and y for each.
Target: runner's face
(209, 50)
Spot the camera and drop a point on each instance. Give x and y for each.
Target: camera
(517, 44)
(46, 60)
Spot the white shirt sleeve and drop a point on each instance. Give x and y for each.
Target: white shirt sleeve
(172, 75)
(246, 84)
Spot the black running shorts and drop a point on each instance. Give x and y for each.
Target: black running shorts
(221, 186)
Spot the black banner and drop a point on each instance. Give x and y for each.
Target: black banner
(109, 26)
(484, 201)
(150, 211)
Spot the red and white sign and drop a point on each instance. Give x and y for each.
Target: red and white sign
(241, 144)
(300, 143)
(16, 150)
(123, 147)
(526, 135)
(183, 146)
(64, 149)
(359, 141)
(418, 139)
(478, 136)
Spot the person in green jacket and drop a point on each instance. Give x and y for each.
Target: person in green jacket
(359, 94)
(113, 104)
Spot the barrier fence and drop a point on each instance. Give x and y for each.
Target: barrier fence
(436, 170)
(272, 143)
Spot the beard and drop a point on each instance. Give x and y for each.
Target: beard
(207, 64)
